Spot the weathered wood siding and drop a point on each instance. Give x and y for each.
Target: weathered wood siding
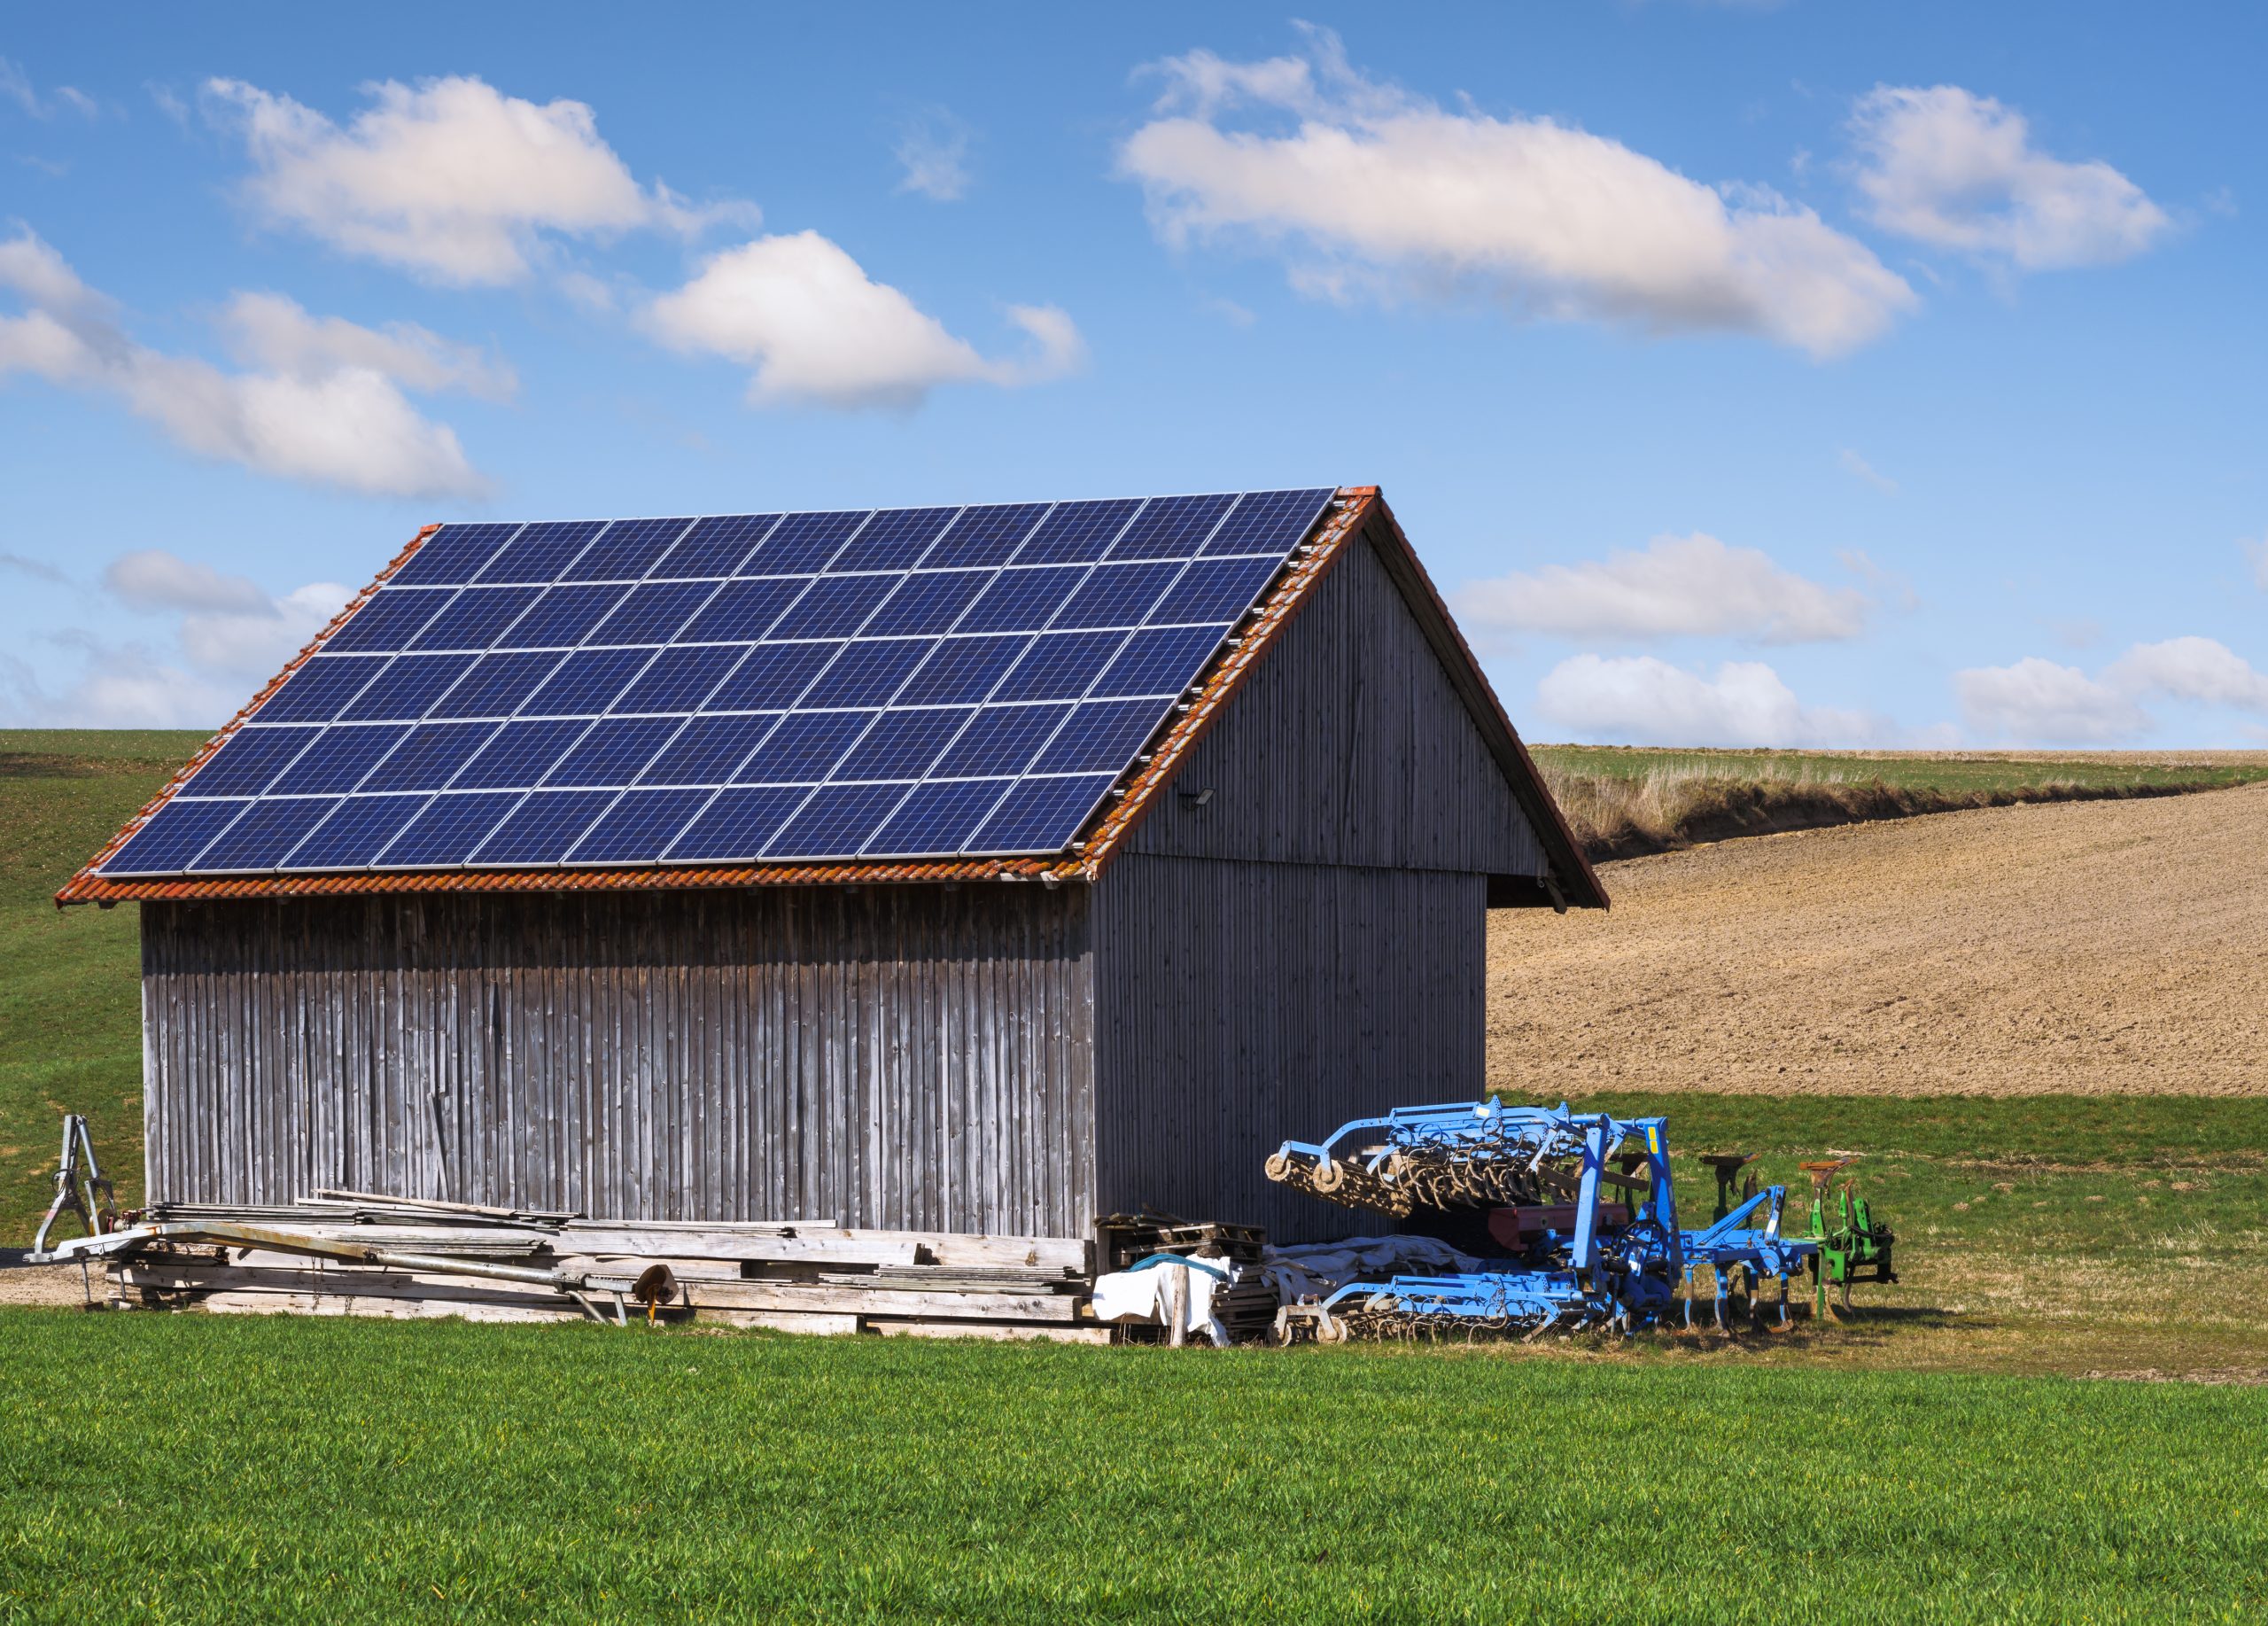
(1239, 1004)
(908, 1057)
(1347, 745)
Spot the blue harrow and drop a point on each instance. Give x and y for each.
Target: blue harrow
(1581, 1205)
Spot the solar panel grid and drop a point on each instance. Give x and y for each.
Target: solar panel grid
(871, 776)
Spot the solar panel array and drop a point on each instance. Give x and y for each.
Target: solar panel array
(899, 684)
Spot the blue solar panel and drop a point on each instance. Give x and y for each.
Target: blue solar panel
(474, 618)
(709, 749)
(737, 825)
(742, 611)
(520, 754)
(639, 828)
(1077, 533)
(448, 829)
(1058, 665)
(626, 550)
(774, 676)
(803, 748)
(930, 601)
(1040, 815)
(541, 828)
(1000, 739)
(715, 547)
(613, 753)
(937, 819)
(250, 759)
(563, 617)
(388, 620)
(1171, 528)
(903, 744)
(962, 669)
(1159, 660)
(679, 678)
(336, 763)
(454, 555)
(868, 671)
(835, 822)
(1101, 737)
(1115, 595)
(888, 683)
(653, 613)
(984, 536)
(321, 690)
(893, 540)
(352, 837)
(800, 544)
(175, 834)
(265, 837)
(407, 688)
(834, 607)
(497, 684)
(1022, 600)
(586, 683)
(429, 758)
(541, 553)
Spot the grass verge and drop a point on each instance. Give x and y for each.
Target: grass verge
(297, 1469)
(1627, 800)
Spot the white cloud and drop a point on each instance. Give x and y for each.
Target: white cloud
(1677, 586)
(16, 86)
(1957, 170)
(2200, 669)
(225, 634)
(1853, 464)
(1387, 194)
(1640, 700)
(816, 328)
(932, 149)
(2039, 700)
(2257, 552)
(323, 402)
(449, 179)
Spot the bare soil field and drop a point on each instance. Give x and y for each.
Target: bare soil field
(2090, 947)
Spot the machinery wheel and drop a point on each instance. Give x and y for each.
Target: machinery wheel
(1278, 1165)
(1328, 1176)
(1330, 1329)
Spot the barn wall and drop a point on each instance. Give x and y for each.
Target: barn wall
(1238, 1004)
(1346, 745)
(904, 1057)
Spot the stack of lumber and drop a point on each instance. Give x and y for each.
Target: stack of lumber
(493, 1265)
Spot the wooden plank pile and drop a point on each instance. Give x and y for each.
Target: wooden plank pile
(499, 1264)
(1246, 1306)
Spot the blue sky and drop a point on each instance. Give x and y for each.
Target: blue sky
(1804, 374)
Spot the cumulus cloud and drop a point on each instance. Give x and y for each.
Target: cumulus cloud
(215, 637)
(322, 402)
(932, 150)
(816, 328)
(1641, 700)
(1956, 170)
(2039, 700)
(1676, 585)
(1372, 190)
(449, 179)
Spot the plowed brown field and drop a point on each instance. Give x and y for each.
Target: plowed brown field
(2092, 946)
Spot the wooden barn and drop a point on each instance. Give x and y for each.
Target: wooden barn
(966, 870)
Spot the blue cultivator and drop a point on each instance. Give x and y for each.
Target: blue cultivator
(1580, 1203)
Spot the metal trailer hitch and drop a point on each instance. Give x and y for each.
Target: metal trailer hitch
(78, 1178)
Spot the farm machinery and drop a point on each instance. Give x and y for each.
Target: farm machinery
(1580, 1221)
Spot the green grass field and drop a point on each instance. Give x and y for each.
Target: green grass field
(1956, 773)
(1939, 1459)
(184, 1468)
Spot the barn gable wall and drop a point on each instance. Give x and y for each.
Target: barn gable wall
(1346, 745)
(912, 1057)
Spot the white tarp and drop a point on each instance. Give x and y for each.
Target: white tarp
(1317, 1269)
(1148, 1294)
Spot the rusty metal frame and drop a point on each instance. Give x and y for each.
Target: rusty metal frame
(1356, 509)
